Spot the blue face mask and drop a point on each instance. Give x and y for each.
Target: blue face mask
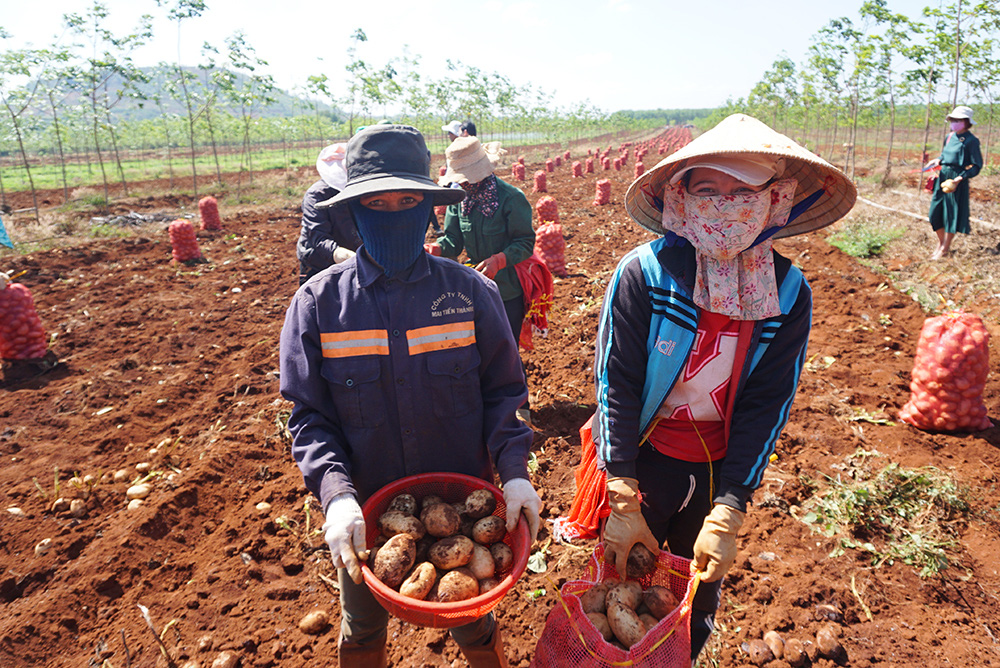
(394, 239)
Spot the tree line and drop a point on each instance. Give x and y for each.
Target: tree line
(75, 105)
(881, 81)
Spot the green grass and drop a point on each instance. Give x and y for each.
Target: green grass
(864, 237)
(893, 513)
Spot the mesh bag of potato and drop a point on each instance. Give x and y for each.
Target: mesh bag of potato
(949, 375)
(572, 636)
(451, 488)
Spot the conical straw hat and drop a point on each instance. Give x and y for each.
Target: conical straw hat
(741, 134)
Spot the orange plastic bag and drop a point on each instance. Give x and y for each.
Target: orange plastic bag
(536, 282)
(949, 375)
(590, 505)
(570, 639)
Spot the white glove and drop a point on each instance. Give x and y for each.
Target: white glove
(341, 254)
(519, 496)
(344, 531)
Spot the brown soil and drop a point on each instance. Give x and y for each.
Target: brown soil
(185, 359)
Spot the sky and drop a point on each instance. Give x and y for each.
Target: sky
(612, 54)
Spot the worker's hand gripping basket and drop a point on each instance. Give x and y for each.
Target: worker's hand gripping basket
(452, 488)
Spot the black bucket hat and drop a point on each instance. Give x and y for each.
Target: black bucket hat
(384, 158)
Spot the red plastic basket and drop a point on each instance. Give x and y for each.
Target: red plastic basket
(452, 487)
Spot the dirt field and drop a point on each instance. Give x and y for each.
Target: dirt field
(185, 360)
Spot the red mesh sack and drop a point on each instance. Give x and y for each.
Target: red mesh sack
(539, 186)
(590, 505)
(517, 171)
(208, 208)
(577, 169)
(549, 165)
(536, 283)
(547, 209)
(550, 247)
(184, 242)
(22, 336)
(949, 375)
(588, 166)
(602, 192)
(570, 639)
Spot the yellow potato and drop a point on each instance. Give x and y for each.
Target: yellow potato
(457, 585)
(404, 503)
(600, 622)
(625, 624)
(503, 557)
(395, 522)
(486, 584)
(481, 564)
(451, 552)
(441, 520)
(640, 563)
(480, 503)
(592, 600)
(489, 530)
(395, 559)
(660, 601)
(420, 582)
(627, 593)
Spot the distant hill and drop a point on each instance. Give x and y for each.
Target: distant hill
(162, 79)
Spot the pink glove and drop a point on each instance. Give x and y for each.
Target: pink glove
(433, 249)
(492, 265)
(520, 496)
(344, 531)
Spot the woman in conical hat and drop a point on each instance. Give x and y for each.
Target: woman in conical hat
(701, 341)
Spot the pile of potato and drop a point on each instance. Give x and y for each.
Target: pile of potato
(441, 552)
(623, 612)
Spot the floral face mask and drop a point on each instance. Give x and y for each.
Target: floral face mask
(734, 276)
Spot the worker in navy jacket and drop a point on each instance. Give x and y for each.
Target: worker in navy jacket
(701, 341)
(400, 363)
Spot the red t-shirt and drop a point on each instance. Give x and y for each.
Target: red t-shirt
(696, 408)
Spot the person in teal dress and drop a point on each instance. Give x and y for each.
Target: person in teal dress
(960, 161)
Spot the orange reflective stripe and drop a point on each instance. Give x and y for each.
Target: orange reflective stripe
(441, 337)
(355, 344)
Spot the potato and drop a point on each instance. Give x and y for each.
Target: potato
(441, 520)
(503, 557)
(627, 593)
(625, 624)
(640, 563)
(420, 582)
(592, 600)
(457, 585)
(795, 653)
(489, 530)
(486, 584)
(600, 622)
(467, 524)
(827, 642)
(759, 652)
(395, 522)
(660, 601)
(776, 643)
(480, 503)
(429, 500)
(395, 559)
(482, 564)
(648, 620)
(404, 503)
(451, 552)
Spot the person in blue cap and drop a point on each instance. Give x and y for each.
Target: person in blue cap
(399, 363)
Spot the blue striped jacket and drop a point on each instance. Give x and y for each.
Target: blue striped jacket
(647, 328)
